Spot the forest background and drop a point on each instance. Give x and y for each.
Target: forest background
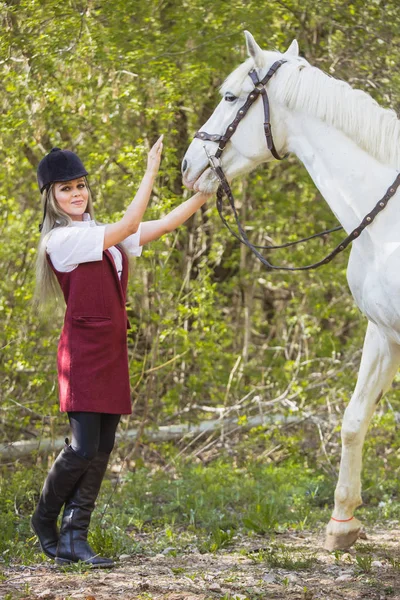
(214, 335)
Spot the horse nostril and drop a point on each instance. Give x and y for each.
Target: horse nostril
(184, 165)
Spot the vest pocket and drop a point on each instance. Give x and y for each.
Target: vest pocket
(90, 320)
(92, 339)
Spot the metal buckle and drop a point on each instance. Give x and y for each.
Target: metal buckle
(214, 162)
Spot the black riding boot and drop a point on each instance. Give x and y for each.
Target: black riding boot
(73, 545)
(61, 480)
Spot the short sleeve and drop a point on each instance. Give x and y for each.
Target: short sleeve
(131, 244)
(70, 246)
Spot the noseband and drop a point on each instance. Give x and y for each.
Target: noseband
(224, 187)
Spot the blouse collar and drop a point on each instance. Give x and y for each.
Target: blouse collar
(86, 221)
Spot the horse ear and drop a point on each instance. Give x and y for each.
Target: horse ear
(254, 50)
(293, 49)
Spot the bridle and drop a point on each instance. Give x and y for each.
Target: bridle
(224, 187)
(259, 88)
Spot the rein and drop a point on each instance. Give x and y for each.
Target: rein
(224, 187)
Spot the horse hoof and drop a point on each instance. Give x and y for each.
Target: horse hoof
(341, 541)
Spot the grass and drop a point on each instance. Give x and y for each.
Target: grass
(153, 510)
(364, 563)
(190, 507)
(22, 595)
(284, 557)
(395, 562)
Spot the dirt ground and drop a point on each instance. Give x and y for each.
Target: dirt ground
(370, 572)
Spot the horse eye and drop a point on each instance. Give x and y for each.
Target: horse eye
(230, 97)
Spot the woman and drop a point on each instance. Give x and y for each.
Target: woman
(92, 359)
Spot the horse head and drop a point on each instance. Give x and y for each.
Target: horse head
(247, 147)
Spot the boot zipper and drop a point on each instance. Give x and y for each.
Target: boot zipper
(71, 538)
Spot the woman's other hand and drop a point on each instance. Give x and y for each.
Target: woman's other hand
(154, 157)
(153, 230)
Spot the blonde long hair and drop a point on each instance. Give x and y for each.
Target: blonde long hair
(47, 290)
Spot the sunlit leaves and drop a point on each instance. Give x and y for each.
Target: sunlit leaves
(104, 79)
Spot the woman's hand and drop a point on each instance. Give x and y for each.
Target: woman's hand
(154, 157)
(119, 231)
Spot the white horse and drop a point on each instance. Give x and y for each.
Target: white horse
(351, 148)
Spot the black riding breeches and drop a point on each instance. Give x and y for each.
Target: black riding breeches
(93, 432)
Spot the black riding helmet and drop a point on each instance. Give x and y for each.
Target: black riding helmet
(58, 165)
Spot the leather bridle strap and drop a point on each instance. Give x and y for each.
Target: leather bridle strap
(259, 85)
(224, 188)
(259, 88)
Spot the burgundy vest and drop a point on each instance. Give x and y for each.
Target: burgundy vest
(92, 360)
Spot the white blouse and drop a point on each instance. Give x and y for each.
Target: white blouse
(83, 242)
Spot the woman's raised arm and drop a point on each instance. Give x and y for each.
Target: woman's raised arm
(119, 231)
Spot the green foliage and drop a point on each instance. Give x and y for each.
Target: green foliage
(189, 507)
(364, 562)
(197, 300)
(218, 538)
(153, 510)
(234, 596)
(18, 595)
(395, 562)
(17, 498)
(264, 517)
(108, 540)
(284, 557)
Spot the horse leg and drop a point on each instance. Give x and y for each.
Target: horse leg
(379, 363)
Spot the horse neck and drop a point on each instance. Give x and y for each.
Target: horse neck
(350, 180)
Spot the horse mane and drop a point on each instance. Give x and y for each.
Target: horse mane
(354, 112)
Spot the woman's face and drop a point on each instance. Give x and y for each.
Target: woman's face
(72, 197)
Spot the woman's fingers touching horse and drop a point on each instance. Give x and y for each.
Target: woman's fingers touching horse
(154, 156)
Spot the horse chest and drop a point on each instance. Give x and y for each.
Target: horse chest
(374, 282)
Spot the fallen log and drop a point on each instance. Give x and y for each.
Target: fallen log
(161, 434)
